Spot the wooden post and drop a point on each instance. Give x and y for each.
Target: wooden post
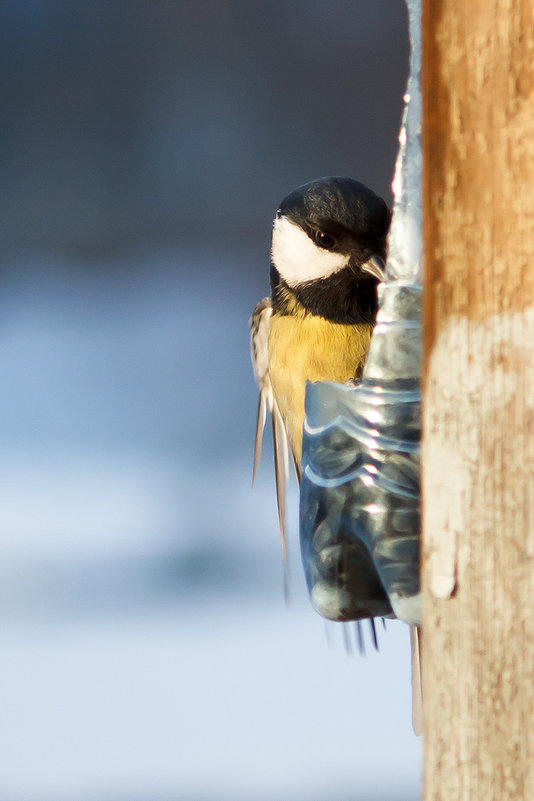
(478, 430)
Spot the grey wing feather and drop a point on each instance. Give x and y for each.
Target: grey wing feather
(259, 352)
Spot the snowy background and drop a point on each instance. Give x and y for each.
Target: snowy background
(146, 649)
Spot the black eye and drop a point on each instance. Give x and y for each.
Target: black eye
(324, 240)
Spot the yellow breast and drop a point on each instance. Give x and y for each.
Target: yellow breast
(310, 348)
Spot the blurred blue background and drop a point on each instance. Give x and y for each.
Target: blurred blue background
(147, 652)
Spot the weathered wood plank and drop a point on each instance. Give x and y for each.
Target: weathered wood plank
(478, 445)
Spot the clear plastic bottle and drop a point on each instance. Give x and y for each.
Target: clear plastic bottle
(360, 500)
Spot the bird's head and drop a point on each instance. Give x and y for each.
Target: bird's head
(328, 225)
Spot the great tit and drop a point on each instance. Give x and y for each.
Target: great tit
(329, 243)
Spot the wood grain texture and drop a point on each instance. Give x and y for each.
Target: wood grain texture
(478, 419)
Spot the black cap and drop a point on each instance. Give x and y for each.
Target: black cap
(342, 207)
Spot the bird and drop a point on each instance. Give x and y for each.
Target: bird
(328, 253)
(329, 244)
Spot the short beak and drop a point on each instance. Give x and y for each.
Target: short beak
(375, 266)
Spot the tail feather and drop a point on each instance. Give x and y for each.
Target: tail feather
(417, 687)
(281, 467)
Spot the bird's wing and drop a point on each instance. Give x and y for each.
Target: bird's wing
(259, 351)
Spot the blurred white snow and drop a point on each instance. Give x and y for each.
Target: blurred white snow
(147, 652)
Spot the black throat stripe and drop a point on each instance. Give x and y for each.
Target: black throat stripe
(344, 297)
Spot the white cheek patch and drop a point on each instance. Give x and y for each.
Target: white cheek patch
(297, 258)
